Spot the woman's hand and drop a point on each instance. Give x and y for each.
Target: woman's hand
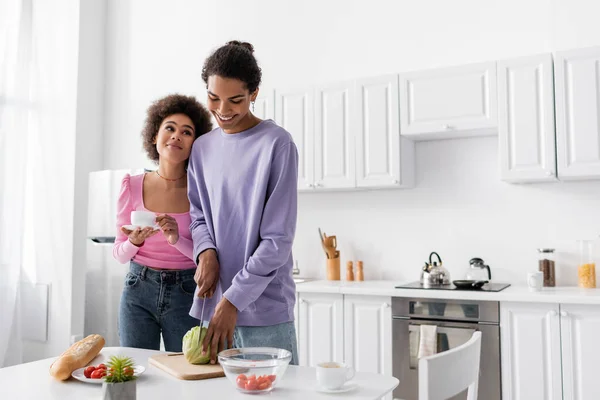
(168, 226)
(139, 235)
(207, 273)
(220, 329)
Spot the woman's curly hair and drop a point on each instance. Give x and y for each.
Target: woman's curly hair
(169, 105)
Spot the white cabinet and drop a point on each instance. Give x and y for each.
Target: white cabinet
(449, 102)
(353, 329)
(578, 113)
(295, 113)
(580, 325)
(368, 334)
(334, 136)
(383, 158)
(549, 351)
(526, 119)
(264, 106)
(530, 342)
(320, 328)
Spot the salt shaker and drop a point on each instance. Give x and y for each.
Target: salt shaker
(349, 271)
(359, 271)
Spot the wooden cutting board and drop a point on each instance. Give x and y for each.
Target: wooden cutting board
(180, 368)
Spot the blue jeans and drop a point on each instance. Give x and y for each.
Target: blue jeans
(281, 336)
(155, 302)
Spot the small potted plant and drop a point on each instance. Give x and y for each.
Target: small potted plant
(119, 382)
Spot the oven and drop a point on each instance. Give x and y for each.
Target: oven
(456, 320)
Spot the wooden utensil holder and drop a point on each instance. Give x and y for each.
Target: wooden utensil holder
(333, 269)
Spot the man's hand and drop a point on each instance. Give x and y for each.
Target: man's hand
(207, 273)
(220, 329)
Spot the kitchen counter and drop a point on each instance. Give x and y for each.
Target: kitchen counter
(33, 381)
(564, 294)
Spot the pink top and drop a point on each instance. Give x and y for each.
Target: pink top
(156, 251)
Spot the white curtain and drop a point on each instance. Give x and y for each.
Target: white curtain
(16, 109)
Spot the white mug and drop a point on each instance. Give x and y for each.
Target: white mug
(535, 280)
(333, 375)
(143, 218)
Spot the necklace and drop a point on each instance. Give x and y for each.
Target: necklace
(170, 180)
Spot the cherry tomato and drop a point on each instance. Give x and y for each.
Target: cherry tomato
(251, 384)
(101, 366)
(88, 371)
(98, 373)
(128, 371)
(264, 385)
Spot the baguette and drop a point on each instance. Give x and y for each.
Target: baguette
(76, 356)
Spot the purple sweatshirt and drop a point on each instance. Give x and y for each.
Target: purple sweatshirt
(243, 203)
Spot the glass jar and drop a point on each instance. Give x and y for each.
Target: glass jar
(587, 267)
(547, 266)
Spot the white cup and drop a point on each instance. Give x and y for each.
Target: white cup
(535, 280)
(333, 375)
(143, 218)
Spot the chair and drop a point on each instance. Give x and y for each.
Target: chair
(446, 374)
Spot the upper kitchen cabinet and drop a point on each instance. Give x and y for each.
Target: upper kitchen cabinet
(264, 106)
(578, 113)
(383, 158)
(526, 119)
(449, 103)
(295, 113)
(334, 136)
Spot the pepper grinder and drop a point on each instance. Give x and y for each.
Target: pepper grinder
(349, 271)
(359, 271)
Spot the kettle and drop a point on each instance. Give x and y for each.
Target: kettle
(434, 274)
(478, 271)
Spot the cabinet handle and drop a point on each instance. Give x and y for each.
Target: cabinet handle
(302, 301)
(309, 185)
(448, 127)
(319, 184)
(564, 314)
(385, 305)
(395, 181)
(553, 313)
(550, 173)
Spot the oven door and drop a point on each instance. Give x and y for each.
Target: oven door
(405, 360)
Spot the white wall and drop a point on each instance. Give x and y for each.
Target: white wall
(459, 208)
(89, 143)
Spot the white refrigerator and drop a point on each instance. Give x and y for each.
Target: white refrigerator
(104, 275)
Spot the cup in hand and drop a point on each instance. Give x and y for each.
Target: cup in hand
(535, 281)
(333, 375)
(143, 218)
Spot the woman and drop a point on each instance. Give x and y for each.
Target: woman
(160, 285)
(243, 203)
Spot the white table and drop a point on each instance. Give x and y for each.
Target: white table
(33, 381)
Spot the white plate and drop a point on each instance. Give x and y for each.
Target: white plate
(78, 374)
(346, 387)
(132, 227)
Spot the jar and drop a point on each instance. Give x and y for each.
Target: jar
(587, 267)
(547, 266)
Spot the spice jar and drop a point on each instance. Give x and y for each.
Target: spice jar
(547, 266)
(587, 266)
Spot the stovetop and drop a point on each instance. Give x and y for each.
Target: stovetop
(488, 287)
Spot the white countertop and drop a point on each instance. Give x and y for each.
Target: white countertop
(564, 294)
(33, 381)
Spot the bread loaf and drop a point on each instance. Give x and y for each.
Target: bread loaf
(76, 356)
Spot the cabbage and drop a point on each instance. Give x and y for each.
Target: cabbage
(192, 347)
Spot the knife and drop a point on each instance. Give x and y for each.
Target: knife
(202, 317)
